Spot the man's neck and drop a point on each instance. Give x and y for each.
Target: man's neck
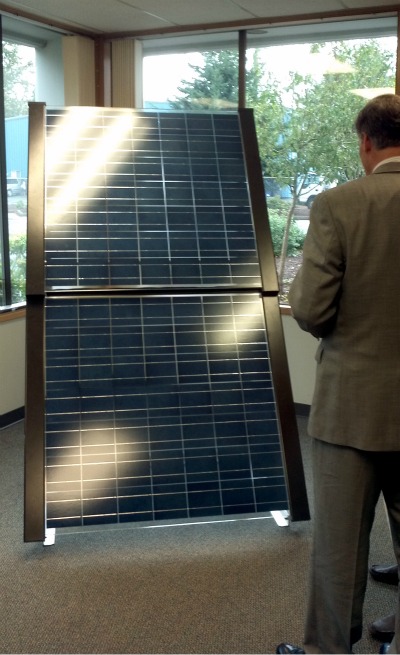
(385, 153)
(371, 157)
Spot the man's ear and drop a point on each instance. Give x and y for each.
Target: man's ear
(366, 142)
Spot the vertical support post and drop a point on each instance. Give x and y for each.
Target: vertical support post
(102, 51)
(34, 502)
(5, 273)
(397, 81)
(242, 68)
(35, 224)
(269, 278)
(295, 481)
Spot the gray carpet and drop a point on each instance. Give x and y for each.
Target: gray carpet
(231, 587)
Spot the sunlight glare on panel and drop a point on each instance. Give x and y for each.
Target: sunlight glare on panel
(65, 142)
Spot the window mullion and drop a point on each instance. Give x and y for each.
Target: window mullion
(5, 242)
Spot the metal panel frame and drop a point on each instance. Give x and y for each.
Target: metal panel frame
(35, 508)
(292, 458)
(269, 279)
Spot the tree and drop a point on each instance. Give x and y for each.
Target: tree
(215, 83)
(304, 127)
(18, 80)
(317, 134)
(341, 96)
(18, 267)
(215, 86)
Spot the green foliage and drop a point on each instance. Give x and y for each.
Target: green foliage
(18, 81)
(318, 133)
(278, 212)
(18, 267)
(305, 125)
(215, 84)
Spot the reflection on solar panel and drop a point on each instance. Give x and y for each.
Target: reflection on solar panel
(158, 399)
(159, 408)
(148, 199)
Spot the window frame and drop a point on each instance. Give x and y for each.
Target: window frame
(362, 25)
(5, 265)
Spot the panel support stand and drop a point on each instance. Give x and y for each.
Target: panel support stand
(280, 517)
(50, 537)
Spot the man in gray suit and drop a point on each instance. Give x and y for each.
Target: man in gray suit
(347, 294)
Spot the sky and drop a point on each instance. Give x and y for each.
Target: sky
(162, 74)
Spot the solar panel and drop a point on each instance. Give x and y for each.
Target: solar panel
(159, 408)
(147, 267)
(147, 199)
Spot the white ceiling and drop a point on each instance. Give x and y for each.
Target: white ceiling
(133, 16)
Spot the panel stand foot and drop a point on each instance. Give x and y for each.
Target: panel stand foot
(50, 537)
(281, 517)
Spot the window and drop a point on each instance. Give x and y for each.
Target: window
(19, 85)
(195, 80)
(201, 71)
(32, 70)
(305, 115)
(306, 87)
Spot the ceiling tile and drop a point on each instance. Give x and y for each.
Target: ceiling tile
(274, 8)
(187, 12)
(92, 15)
(113, 16)
(361, 4)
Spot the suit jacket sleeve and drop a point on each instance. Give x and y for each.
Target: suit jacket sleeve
(314, 295)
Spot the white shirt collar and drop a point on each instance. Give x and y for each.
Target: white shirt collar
(386, 161)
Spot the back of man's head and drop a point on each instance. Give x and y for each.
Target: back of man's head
(380, 121)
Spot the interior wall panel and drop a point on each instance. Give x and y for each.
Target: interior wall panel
(127, 73)
(79, 71)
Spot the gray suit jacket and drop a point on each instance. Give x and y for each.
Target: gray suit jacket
(347, 292)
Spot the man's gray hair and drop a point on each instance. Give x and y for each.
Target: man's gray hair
(380, 121)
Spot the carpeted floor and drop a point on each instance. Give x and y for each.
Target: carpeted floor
(231, 587)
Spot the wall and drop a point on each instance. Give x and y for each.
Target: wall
(79, 67)
(50, 74)
(12, 365)
(126, 74)
(300, 348)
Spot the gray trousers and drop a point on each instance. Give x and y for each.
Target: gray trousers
(347, 485)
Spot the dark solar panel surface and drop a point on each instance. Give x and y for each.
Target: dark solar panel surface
(147, 199)
(158, 406)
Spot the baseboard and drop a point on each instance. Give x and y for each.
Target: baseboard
(12, 417)
(301, 409)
